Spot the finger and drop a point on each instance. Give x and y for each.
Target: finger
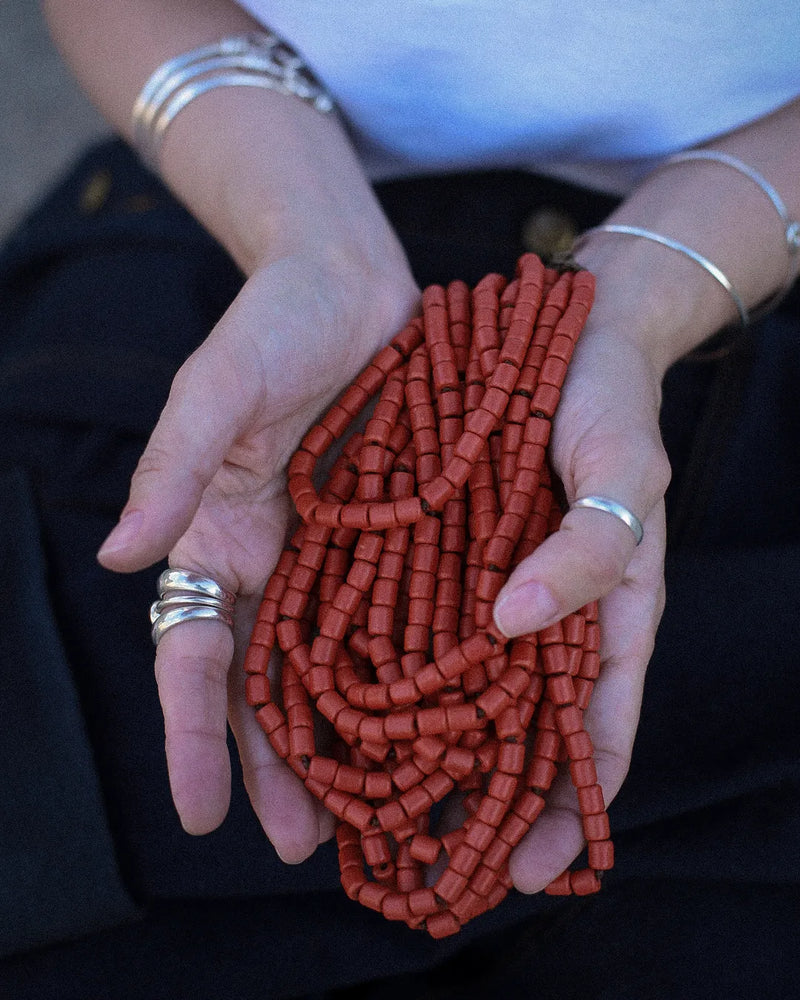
(293, 820)
(192, 662)
(206, 409)
(290, 816)
(588, 556)
(556, 838)
(629, 616)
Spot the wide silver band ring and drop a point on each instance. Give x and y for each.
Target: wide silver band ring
(189, 613)
(188, 596)
(617, 509)
(184, 601)
(186, 581)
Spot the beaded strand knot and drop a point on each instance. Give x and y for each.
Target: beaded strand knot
(382, 607)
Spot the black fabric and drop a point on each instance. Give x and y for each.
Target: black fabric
(103, 293)
(59, 871)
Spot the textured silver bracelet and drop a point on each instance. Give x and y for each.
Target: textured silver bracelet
(791, 227)
(253, 60)
(666, 241)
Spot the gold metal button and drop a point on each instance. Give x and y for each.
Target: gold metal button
(548, 232)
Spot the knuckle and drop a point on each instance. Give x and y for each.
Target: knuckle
(602, 570)
(187, 373)
(659, 472)
(154, 460)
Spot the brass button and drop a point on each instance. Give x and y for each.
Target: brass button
(95, 193)
(548, 232)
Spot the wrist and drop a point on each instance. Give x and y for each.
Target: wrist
(659, 301)
(240, 162)
(271, 177)
(727, 242)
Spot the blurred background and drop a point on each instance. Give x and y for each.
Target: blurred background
(45, 121)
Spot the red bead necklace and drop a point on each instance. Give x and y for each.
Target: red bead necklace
(382, 607)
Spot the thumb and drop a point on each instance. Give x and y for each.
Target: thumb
(202, 418)
(589, 555)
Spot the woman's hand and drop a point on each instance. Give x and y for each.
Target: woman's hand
(605, 442)
(653, 305)
(209, 489)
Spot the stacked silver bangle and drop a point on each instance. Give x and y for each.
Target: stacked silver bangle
(791, 234)
(791, 228)
(185, 596)
(252, 60)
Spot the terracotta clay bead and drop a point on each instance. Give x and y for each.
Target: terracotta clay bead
(502, 786)
(541, 773)
(431, 748)
(584, 882)
(400, 725)
(590, 799)
(491, 810)
(545, 400)
(596, 827)
(600, 855)
(493, 701)
(352, 879)
(560, 886)
(590, 665)
(458, 762)
(403, 691)
(422, 902)
(377, 785)
(583, 692)
(257, 658)
(508, 724)
(442, 924)
(483, 880)
(547, 744)
(569, 720)
(529, 806)
(496, 854)
(560, 689)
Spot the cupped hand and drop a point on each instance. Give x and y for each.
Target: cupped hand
(209, 490)
(605, 442)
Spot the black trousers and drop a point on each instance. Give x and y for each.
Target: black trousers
(103, 292)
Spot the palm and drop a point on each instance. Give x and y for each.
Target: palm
(278, 357)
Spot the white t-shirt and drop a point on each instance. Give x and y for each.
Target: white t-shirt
(593, 91)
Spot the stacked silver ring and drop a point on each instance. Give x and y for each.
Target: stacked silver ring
(185, 596)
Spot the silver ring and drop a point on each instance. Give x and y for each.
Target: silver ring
(177, 616)
(180, 601)
(617, 509)
(187, 596)
(185, 581)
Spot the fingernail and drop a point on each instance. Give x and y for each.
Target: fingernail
(124, 533)
(527, 608)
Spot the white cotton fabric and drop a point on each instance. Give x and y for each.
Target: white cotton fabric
(586, 90)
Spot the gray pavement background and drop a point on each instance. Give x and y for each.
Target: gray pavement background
(45, 121)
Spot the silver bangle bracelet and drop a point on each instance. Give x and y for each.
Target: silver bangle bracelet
(791, 227)
(253, 60)
(666, 241)
(147, 112)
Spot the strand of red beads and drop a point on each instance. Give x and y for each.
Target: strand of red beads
(381, 605)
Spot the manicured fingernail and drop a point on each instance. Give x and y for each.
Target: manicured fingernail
(528, 608)
(124, 534)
